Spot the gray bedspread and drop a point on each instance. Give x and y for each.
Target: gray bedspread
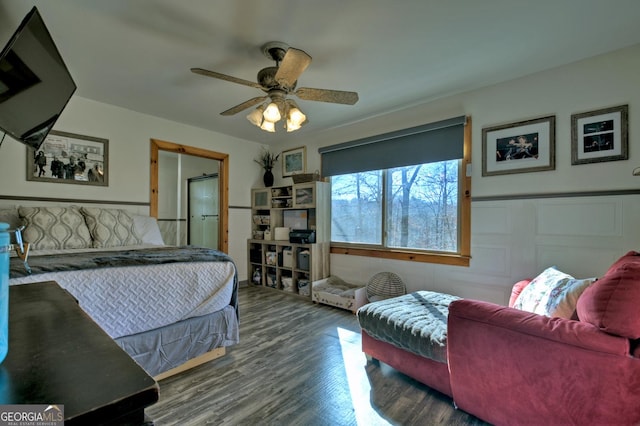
(106, 259)
(416, 322)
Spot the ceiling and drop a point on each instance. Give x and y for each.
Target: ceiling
(395, 54)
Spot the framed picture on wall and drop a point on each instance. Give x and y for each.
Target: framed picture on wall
(521, 147)
(601, 135)
(294, 161)
(70, 158)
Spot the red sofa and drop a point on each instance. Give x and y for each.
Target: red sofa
(508, 366)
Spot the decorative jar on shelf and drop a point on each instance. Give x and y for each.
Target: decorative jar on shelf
(267, 161)
(267, 178)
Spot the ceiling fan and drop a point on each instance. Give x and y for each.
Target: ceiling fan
(278, 82)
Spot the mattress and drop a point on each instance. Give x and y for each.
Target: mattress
(126, 300)
(416, 322)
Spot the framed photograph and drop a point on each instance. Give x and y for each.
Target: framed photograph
(522, 147)
(601, 135)
(70, 158)
(294, 161)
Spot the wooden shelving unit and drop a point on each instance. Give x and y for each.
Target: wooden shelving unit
(280, 264)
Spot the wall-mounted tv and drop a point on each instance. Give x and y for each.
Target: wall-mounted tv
(35, 84)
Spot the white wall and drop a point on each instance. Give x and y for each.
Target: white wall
(129, 135)
(512, 239)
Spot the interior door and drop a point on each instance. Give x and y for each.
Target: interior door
(203, 207)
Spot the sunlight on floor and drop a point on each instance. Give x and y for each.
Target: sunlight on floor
(359, 386)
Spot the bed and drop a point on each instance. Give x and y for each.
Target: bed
(170, 308)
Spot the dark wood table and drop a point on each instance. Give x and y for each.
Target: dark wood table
(58, 355)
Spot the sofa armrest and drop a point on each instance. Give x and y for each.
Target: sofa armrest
(514, 367)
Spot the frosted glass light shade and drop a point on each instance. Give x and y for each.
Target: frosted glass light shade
(255, 117)
(291, 126)
(272, 113)
(268, 126)
(296, 117)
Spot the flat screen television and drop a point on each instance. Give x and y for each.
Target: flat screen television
(35, 84)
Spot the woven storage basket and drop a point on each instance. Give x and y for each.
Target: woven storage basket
(385, 285)
(305, 177)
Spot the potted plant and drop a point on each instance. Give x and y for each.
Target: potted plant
(267, 160)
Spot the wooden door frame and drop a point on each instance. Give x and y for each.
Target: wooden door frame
(223, 176)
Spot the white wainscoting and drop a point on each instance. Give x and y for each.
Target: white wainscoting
(516, 239)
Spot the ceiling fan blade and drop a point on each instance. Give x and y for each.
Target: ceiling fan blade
(251, 102)
(324, 95)
(293, 64)
(225, 77)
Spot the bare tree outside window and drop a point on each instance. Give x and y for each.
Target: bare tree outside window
(356, 206)
(421, 207)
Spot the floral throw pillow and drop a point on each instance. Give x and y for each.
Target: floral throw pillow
(552, 293)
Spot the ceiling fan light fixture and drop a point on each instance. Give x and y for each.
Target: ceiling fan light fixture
(290, 126)
(296, 117)
(278, 82)
(272, 113)
(255, 117)
(268, 126)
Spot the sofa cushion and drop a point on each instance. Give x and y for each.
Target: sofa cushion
(629, 257)
(611, 304)
(111, 227)
(517, 289)
(552, 293)
(54, 228)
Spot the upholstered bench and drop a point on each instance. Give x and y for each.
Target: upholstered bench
(416, 322)
(409, 333)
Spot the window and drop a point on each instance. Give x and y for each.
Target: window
(411, 207)
(418, 212)
(356, 208)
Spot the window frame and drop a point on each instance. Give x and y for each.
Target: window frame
(462, 257)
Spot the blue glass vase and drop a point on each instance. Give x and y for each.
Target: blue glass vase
(4, 290)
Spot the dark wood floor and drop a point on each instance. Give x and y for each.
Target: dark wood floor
(298, 364)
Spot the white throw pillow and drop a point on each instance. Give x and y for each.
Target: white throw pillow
(148, 230)
(552, 293)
